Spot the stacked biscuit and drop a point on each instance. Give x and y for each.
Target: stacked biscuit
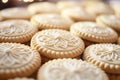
(64, 41)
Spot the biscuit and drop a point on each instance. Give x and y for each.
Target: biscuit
(116, 7)
(17, 60)
(22, 79)
(42, 7)
(70, 69)
(78, 14)
(55, 43)
(15, 13)
(99, 8)
(51, 21)
(94, 32)
(68, 4)
(19, 31)
(105, 56)
(110, 21)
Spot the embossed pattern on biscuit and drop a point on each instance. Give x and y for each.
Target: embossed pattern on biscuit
(9, 57)
(55, 40)
(14, 28)
(17, 60)
(70, 69)
(16, 31)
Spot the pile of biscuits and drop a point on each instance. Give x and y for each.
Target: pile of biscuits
(67, 40)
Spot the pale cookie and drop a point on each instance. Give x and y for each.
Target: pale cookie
(55, 43)
(17, 60)
(105, 56)
(15, 13)
(110, 21)
(68, 4)
(19, 31)
(70, 69)
(94, 32)
(22, 79)
(78, 14)
(116, 7)
(99, 8)
(51, 21)
(42, 7)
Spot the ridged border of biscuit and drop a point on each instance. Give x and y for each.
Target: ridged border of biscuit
(94, 38)
(107, 67)
(56, 54)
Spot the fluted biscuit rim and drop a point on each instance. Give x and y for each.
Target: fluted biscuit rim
(107, 67)
(93, 38)
(56, 54)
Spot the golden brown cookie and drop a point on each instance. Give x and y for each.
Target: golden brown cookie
(51, 21)
(22, 79)
(19, 31)
(98, 8)
(42, 7)
(17, 60)
(105, 56)
(55, 43)
(94, 32)
(70, 69)
(68, 4)
(15, 13)
(78, 14)
(110, 21)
